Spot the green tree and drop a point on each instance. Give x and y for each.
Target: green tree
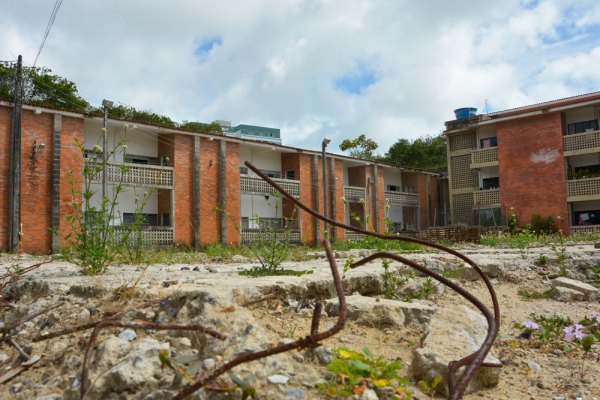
(201, 127)
(42, 88)
(427, 152)
(361, 147)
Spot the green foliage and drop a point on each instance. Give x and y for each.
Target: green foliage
(427, 152)
(201, 127)
(596, 276)
(361, 147)
(374, 243)
(129, 113)
(534, 295)
(513, 223)
(550, 327)
(355, 371)
(430, 388)
(391, 281)
(542, 260)
(42, 88)
(257, 272)
(543, 226)
(560, 252)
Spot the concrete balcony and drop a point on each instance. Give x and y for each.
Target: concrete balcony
(487, 197)
(583, 189)
(402, 199)
(581, 143)
(152, 236)
(134, 174)
(353, 194)
(585, 229)
(256, 236)
(484, 157)
(255, 185)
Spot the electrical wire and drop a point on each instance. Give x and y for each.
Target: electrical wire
(57, 5)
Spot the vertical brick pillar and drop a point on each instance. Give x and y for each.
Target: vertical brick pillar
(223, 191)
(71, 171)
(56, 183)
(209, 191)
(232, 193)
(301, 164)
(315, 197)
(380, 209)
(338, 185)
(5, 139)
(196, 193)
(183, 159)
(36, 183)
(375, 198)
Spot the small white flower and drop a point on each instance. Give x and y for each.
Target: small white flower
(361, 200)
(97, 149)
(103, 129)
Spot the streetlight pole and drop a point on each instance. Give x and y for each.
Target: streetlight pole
(325, 187)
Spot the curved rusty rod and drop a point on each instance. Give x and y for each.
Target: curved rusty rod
(473, 361)
(308, 341)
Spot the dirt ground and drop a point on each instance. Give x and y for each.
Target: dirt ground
(531, 369)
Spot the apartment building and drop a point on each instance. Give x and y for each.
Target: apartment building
(252, 132)
(539, 159)
(197, 189)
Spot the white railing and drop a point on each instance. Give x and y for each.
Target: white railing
(355, 237)
(485, 197)
(583, 187)
(257, 236)
(134, 174)
(354, 193)
(402, 198)
(255, 185)
(581, 141)
(154, 236)
(584, 229)
(483, 156)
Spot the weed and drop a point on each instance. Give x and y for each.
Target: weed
(354, 371)
(560, 252)
(430, 388)
(533, 295)
(391, 281)
(544, 328)
(256, 272)
(542, 260)
(596, 276)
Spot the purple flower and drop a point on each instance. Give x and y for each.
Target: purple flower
(531, 325)
(573, 332)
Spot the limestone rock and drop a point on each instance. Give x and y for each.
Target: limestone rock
(588, 290)
(369, 311)
(454, 333)
(565, 294)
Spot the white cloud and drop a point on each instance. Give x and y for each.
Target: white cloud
(278, 61)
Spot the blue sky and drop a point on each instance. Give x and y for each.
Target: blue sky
(388, 69)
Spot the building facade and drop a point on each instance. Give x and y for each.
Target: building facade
(541, 159)
(197, 190)
(251, 132)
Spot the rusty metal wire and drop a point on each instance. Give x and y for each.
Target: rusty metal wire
(472, 362)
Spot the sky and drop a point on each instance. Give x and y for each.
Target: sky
(388, 69)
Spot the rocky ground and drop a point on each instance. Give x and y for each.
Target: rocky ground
(427, 327)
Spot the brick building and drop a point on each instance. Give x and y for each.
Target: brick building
(199, 190)
(540, 159)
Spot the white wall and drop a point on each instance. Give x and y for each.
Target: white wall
(484, 132)
(580, 115)
(126, 200)
(392, 177)
(584, 160)
(395, 213)
(487, 172)
(138, 142)
(262, 158)
(252, 205)
(586, 205)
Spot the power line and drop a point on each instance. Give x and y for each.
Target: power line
(57, 5)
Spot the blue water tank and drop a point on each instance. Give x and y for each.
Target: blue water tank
(465, 112)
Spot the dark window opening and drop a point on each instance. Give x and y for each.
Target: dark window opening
(290, 174)
(580, 127)
(584, 172)
(490, 183)
(488, 142)
(588, 217)
(393, 188)
(135, 159)
(147, 219)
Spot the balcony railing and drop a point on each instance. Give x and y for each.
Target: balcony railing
(354, 193)
(487, 156)
(263, 223)
(582, 141)
(402, 199)
(588, 188)
(255, 185)
(355, 237)
(585, 229)
(153, 236)
(136, 174)
(257, 236)
(486, 197)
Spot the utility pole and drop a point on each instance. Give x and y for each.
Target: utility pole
(14, 202)
(106, 104)
(325, 187)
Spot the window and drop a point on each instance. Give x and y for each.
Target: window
(490, 183)
(290, 174)
(488, 142)
(489, 217)
(147, 219)
(580, 127)
(271, 174)
(393, 188)
(135, 159)
(244, 170)
(588, 217)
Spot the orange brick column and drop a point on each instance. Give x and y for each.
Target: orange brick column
(380, 207)
(5, 138)
(232, 193)
(182, 147)
(337, 182)
(209, 191)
